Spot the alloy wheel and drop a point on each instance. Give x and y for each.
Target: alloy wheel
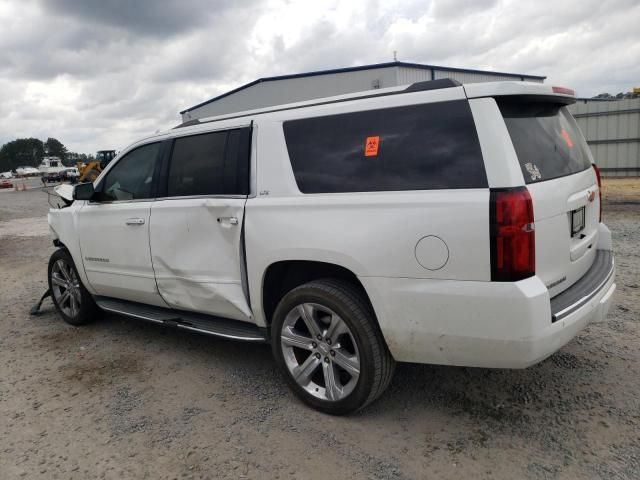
(320, 351)
(65, 287)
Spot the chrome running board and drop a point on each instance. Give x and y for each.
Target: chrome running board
(192, 321)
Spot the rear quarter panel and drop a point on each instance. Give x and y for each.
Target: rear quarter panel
(372, 234)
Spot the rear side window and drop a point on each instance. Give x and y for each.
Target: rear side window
(214, 163)
(419, 147)
(546, 140)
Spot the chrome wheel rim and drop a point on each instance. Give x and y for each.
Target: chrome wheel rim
(320, 351)
(65, 287)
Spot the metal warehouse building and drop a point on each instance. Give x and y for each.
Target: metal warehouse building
(612, 130)
(269, 91)
(611, 127)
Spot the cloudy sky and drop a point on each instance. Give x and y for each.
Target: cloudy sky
(100, 73)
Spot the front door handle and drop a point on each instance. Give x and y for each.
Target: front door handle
(135, 221)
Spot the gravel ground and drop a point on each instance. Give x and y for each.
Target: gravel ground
(126, 399)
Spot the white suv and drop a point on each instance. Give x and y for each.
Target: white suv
(435, 223)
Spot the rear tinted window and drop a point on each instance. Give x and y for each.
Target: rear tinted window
(545, 139)
(214, 163)
(419, 147)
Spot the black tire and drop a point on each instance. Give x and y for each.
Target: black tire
(87, 311)
(376, 365)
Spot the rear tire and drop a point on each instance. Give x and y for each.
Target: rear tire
(326, 340)
(72, 301)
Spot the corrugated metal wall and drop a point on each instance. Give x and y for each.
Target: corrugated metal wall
(472, 77)
(289, 90)
(266, 94)
(612, 130)
(408, 75)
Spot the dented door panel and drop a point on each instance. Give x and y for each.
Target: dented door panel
(196, 255)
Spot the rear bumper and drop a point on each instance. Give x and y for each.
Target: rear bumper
(584, 289)
(483, 324)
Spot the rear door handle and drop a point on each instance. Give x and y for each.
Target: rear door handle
(229, 220)
(135, 221)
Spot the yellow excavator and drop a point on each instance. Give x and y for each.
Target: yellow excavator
(90, 171)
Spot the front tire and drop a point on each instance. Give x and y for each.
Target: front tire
(326, 340)
(72, 301)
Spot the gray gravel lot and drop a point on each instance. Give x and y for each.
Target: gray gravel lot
(126, 399)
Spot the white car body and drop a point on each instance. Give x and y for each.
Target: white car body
(211, 254)
(27, 171)
(51, 165)
(71, 172)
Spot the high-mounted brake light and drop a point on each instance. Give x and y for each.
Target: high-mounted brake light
(564, 91)
(597, 170)
(513, 238)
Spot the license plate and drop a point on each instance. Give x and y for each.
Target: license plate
(577, 221)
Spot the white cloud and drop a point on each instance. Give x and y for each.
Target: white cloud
(101, 73)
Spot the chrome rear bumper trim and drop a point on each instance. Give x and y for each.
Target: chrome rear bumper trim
(583, 298)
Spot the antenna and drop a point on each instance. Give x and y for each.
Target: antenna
(395, 55)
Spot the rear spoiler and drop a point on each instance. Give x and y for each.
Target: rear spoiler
(521, 91)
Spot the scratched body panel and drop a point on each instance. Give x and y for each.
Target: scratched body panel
(195, 254)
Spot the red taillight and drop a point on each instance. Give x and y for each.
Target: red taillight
(563, 91)
(513, 241)
(597, 170)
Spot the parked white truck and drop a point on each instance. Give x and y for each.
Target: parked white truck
(437, 223)
(51, 169)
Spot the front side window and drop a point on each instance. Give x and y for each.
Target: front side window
(132, 177)
(215, 163)
(418, 147)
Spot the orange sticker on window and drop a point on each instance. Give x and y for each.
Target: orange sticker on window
(566, 138)
(371, 146)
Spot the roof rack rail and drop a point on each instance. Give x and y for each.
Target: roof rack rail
(432, 85)
(414, 87)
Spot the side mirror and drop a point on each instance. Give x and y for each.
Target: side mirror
(83, 191)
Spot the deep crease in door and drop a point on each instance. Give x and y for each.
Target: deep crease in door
(197, 256)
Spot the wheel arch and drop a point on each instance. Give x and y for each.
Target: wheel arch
(64, 234)
(58, 244)
(282, 276)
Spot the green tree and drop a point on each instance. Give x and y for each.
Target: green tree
(73, 157)
(26, 152)
(54, 148)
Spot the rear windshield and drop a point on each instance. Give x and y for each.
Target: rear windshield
(547, 143)
(417, 147)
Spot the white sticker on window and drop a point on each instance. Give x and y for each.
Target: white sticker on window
(533, 170)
